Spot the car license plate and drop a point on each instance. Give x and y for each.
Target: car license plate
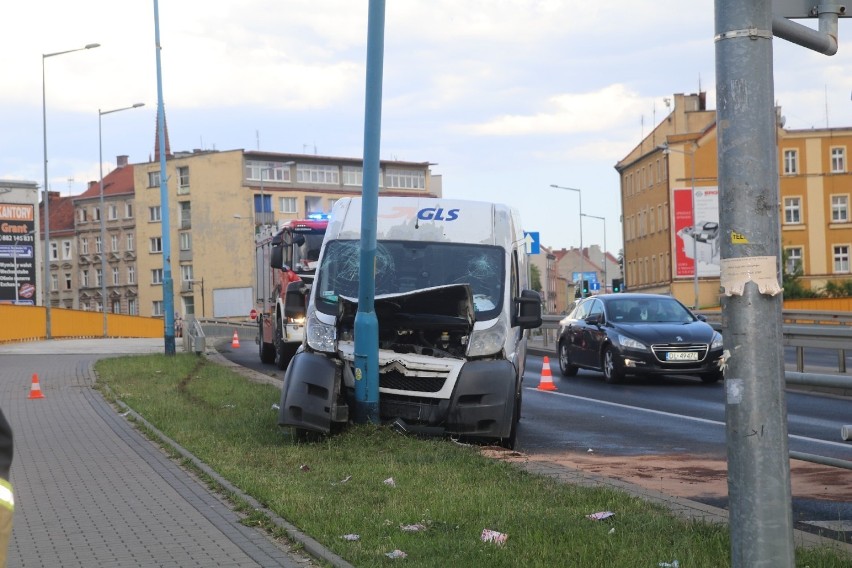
(681, 356)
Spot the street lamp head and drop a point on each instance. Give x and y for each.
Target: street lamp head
(137, 105)
(91, 45)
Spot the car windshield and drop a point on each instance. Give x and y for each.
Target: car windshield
(638, 310)
(404, 266)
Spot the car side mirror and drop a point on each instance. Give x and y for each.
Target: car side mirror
(701, 317)
(595, 319)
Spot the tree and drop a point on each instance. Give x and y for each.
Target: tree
(793, 287)
(535, 278)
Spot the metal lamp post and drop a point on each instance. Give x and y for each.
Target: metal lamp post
(604, 260)
(582, 267)
(666, 149)
(46, 286)
(102, 211)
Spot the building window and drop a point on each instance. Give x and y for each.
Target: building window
(838, 160)
(82, 215)
(186, 272)
(794, 260)
(128, 210)
(116, 278)
(113, 243)
(132, 307)
(96, 213)
(271, 171)
(841, 259)
(792, 210)
(54, 282)
(186, 241)
(157, 308)
(84, 278)
(84, 245)
(405, 179)
(288, 205)
(98, 245)
(314, 173)
(154, 179)
(839, 208)
(154, 214)
(791, 162)
(183, 179)
(353, 175)
(99, 277)
(112, 212)
(185, 214)
(67, 280)
(131, 274)
(157, 276)
(129, 241)
(66, 250)
(54, 251)
(116, 307)
(156, 244)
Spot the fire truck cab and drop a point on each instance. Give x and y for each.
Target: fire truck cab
(286, 263)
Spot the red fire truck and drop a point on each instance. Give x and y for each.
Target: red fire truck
(286, 263)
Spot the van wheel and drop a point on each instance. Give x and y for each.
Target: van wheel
(612, 373)
(565, 366)
(509, 443)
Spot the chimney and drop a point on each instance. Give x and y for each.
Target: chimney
(121, 161)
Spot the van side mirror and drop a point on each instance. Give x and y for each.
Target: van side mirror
(276, 256)
(527, 313)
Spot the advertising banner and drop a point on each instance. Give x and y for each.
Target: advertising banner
(697, 240)
(17, 254)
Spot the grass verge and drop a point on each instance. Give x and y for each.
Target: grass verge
(339, 486)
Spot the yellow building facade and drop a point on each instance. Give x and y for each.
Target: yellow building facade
(218, 202)
(670, 192)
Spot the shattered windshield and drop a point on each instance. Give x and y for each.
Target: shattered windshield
(404, 266)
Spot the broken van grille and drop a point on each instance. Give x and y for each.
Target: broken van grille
(398, 381)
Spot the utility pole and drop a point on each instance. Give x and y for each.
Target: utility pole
(759, 492)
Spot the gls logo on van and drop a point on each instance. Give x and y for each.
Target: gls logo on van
(437, 214)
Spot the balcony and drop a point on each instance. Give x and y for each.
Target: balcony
(264, 218)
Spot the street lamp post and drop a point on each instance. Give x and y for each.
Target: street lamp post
(46, 285)
(604, 243)
(666, 149)
(102, 210)
(582, 267)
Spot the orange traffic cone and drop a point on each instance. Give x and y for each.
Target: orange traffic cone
(35, 390)
(546, 382)
(235, 343)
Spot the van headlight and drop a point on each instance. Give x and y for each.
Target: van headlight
(320, 336)
(488, 341)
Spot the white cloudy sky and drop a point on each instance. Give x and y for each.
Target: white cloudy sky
(505, 96)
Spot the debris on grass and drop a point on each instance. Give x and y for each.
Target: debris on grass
(672, 564)
(413, 528)
(600, 516)
(342, 481)
(389, 482)
(489, 535)
(275, 406)
(396, 554)
(351, 537)
(304, 467)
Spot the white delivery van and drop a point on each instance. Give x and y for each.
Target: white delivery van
(452, 306)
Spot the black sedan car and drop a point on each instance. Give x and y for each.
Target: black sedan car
(638, 334)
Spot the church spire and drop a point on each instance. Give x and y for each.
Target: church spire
(157, 138)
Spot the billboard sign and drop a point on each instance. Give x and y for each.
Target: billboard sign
(17, 254)
(697, 240)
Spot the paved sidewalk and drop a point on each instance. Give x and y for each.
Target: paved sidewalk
(91, 491)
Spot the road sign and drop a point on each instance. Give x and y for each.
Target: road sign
(533, 245)
(595, 286)
(253, 314)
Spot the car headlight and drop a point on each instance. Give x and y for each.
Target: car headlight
(717, 341)
(631, 343)
(320, 336)
(488, 341)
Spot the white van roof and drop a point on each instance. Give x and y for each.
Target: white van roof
(430, 220)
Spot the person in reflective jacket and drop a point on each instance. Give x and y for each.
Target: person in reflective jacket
(7, 500)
